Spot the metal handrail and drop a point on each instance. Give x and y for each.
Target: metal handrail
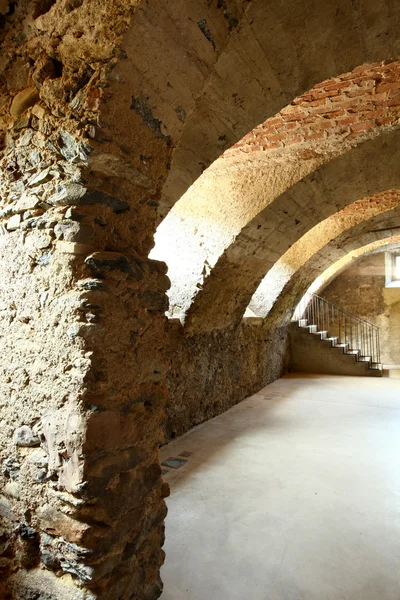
(360, 336)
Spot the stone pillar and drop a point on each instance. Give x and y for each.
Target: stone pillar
(82, 393)
(82, 337)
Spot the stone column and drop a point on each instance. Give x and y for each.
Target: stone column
(82, 393)
(82, 337)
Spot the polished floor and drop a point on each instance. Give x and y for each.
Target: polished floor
(294, 494)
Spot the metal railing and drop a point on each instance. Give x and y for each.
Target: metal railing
(347, 328)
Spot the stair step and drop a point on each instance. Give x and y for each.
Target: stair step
(322, 334)
(321, 317)
(376, 366)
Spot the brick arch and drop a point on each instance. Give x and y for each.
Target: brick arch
(354, 219)
(203, 74)
(267, 61)
(371, 232)
(332, 118)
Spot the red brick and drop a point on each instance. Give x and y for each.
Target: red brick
(384, 121)
(320, 95)
(363, 126)
(394, 93)
(335, 114)
(318, 103)
(385, 87)
(316, 135)
(321, 125)
(335, 85)
(292, 117)
(272, 146)
(275, 137)
(357, 92)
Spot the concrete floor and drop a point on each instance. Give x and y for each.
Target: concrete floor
(294, 494)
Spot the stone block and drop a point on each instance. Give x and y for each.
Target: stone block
(59, 524)
(23, 100)
(25, 436)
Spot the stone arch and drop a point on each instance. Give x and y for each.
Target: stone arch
(104, 134)
(328, 273)
(263, 67)
(391, 242)
(370, 233)
(355, 218)
(340, 182)
(330, 119)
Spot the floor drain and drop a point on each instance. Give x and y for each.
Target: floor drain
(174, 463)
(271, 395)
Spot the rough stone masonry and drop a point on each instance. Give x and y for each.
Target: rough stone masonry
(81, 314)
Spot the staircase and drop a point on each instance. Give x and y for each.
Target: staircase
(327, 339)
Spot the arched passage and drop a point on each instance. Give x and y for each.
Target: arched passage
(328, 120)
(125, 104)
(334, 269)
(374, 232)
(340, 182)
(355, 218)
(267, 61)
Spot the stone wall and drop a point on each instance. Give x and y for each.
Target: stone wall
(81, 494)
(209, 373)
(360, 289)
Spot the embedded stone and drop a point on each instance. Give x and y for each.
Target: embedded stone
(12, 489)
(42, 177)
(26, 532)
(72, 248)
(23, 100)
(22, 123)
(49, 560)
(11, 467)
(41, 475)
(24, 436)
(44, 259)
(38, 111)
(71, 231)
(64, 428)
(76, 194)
(39, 458)
(26, 138)
(38, 240)
(26, 202)
(155, 301)
(5, 509)
(93, 284)
(73, 150)
(99, 262)
(60, 524)
(13, 222)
